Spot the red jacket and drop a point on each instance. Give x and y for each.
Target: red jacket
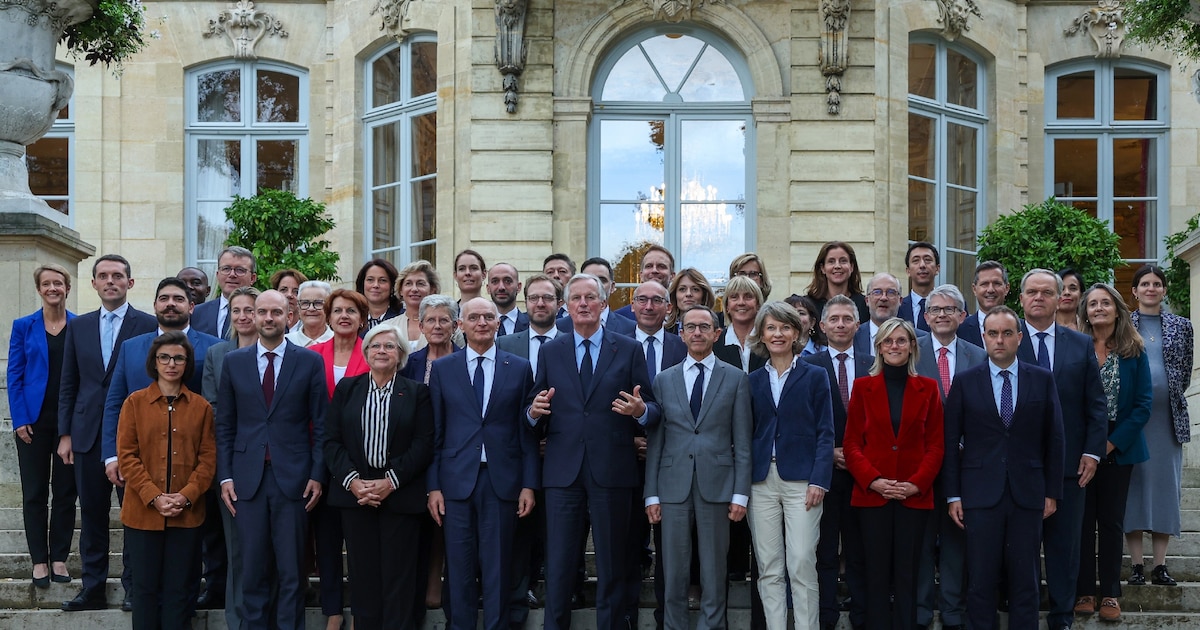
(873, 450)
(357, 364)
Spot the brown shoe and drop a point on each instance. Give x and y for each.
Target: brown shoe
(1085, 605)
(1110, 610)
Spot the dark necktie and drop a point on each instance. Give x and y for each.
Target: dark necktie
(268, 383)
(697, 392)
(500, 331)
(478, 382)
(1006, 399)
(651, 358)
(541, 339)
(843, 380)
(1043, 352)
(921, 323)
(225, 322)
(585, 367)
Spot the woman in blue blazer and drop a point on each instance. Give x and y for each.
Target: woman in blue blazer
(1125, 373)
(35, 358)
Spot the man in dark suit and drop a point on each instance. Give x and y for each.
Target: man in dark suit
(590, 394)
(272, 413)
(197, 282)
(698, 467)
(1072, 358)
(504, 286)
(883, 300)
(942, 356)
(235, 268)
(92, 349)
(601, 268)
(658, 263)
(922, 263)
(843, 363)
(991, 289)
(560, 267)
(485, 465)
(1003, 471)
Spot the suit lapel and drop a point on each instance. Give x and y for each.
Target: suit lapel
(284, 378)
(607, 351)
(792, 379)
(710, 392)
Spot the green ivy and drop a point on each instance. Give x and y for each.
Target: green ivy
(1178, 271)
(1050, 235)
(1163, 23)
(282, 231)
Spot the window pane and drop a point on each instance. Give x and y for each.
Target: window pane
(277, 164)
(960, 218)
(713, 160)
(385, 79)
(1134, 95)
(712, 235)
(278, 97)
(385, 154)
(219, 96)
(65, 112)
(959, 269)
(218, 169)
(424, 133)
(1090, 207)
(922, 70)
(921, 211)
(424, 68)
(1136, 223)
(385, 206)
(626, 227)
(1133, 167)
(427, 251)
(672, 56)
(962, 78)
(921, 146)
(211, 230)
(632, 79)
(631, 159)
(48, 161)
(962, 163)
(713, 79)
(1075, 167)
(1077, 95)
(424, 210)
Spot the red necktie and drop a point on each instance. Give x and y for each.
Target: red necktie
(843, 380)
(944, 370)
(268, 383)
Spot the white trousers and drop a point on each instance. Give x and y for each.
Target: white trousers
(777, 514)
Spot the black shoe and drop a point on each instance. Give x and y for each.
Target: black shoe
(210, 599)
(60, 579)
(1160, 577)
(42, 582)
(127, 603)
(87, 599)
(1136, 576)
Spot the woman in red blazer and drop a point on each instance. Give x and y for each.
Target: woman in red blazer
(893, 449)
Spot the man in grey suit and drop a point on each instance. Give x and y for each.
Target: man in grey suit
(943, 356)
(698, 468)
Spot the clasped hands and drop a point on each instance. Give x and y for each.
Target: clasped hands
(170, 505)
(896, 490)
(370, 492)
(626, 404)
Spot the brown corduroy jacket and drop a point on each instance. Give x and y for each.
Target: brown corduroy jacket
(142, 451)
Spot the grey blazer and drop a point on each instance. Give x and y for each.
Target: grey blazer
(715, 448)
(966, 356)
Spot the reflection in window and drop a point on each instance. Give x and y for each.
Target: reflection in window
(401, 138)
(242, 113)
(946, 145)
(672, 130)
(50, 162)
(1106, 150)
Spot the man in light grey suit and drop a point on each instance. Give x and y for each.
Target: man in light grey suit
(698, 468)
(943, 355)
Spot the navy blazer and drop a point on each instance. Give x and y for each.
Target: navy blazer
(619, 325)
(1027, 457)
(130, 375)
(969, 330)
(29, 367)
(462, 430)
(907, 311)
(674, 351)
(409, 439)
(292, 430)
(627, 312)
(1133, 410)
(799, 428)
(85, 378)
(862, 367)
(1080, 393)
(204, 317)
(582, 425)
(521, 324)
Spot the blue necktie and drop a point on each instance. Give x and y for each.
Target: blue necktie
(501, 331)
(478, 382)
(1006, 399)
(1043, 352)
(651, 358)
(106, 337)
(921, 323)
(585, 367)
(697, 392)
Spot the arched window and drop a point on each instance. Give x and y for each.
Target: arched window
(247, 129)
(1106, 149)
(51, 161)
(672, 146)
(947, 145)
(401, 157)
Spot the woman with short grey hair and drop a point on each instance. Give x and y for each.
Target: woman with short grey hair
(313, 326)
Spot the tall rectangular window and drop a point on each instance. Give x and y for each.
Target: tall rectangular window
(51, 162)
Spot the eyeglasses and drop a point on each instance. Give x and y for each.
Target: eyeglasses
(487, 317)
(311, 305)
(164, 358)
(938, 310)
(753, 275)
(881, 292)
(899, 343)
(643, 300)
(691, 328)
(377, 346)
(233, 271)
(547, 298)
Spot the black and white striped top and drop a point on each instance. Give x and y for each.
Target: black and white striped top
(376, 412)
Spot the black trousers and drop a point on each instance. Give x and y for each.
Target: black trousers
(838, 521)
(163, 564)
(892, 541)
(325, 522)
(383, 569)
(1102, 539)
(46, 481)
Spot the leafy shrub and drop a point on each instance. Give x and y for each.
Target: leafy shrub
(281, 230)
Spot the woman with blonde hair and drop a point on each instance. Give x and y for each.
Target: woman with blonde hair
(415, 281)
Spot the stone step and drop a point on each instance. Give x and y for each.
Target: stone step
(11, 518)
(13, 540)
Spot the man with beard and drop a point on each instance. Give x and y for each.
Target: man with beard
(197, 282)
(504, 286)
(990, 288)
(922, 263)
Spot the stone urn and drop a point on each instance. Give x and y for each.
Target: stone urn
(31, 90)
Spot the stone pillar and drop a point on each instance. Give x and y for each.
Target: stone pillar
(1189, 251)
(27, 240)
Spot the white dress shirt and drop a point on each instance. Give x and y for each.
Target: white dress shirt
(732, 340)
(850, 375)
(535, 346)
(509, 320)
(659, 336)
(1033, 339)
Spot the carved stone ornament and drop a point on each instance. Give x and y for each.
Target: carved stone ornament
(1105, 22)
(832, 50)
(675, 11)
(510, 47)
(953, 15)
(245, 26)
(393, 12)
